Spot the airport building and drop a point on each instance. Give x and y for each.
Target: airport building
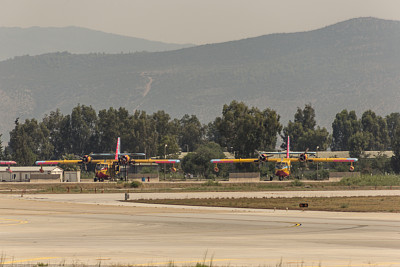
(36, 174)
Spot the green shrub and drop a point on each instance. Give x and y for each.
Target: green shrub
(135, 184)
(297, 182)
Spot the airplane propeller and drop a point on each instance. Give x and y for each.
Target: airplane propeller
(124, 159)
(303, 156)
(86, 159)
(262, 156)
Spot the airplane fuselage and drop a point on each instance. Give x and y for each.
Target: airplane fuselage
(282, 168)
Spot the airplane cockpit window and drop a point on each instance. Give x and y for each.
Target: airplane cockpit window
(101, 166)
(281, 165)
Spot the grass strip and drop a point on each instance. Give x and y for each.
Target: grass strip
(349, 204)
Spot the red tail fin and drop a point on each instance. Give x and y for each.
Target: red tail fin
(288, 148)
(117, 150)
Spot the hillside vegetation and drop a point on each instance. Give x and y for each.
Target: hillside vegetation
(353, 64)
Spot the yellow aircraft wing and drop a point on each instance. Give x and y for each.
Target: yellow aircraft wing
(160, 161)
(249, 160)
(66, 161)
(326, 159)
(8, 162)
(80, 161)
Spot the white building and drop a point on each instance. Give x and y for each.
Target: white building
(31, 174)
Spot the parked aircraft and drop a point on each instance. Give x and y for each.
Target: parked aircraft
(283, 165)
(108, 164)
(8, 163)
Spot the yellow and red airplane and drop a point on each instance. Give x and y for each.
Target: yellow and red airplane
(107, 167)
(283, 165)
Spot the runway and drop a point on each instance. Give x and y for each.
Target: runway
(99, 230)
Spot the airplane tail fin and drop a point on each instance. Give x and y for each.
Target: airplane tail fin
(288, 148)
(117, 151)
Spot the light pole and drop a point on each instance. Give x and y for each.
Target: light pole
(317, 162)
(187, 148)
(165, 156)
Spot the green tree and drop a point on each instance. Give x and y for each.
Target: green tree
(244, 130)
(375, 130)
(112, 124)
(393, 124)
(57, 123)
(167, 146)
(303, 134)
(395, 160)
(143, 135)
(2, 156)
(358, 143)
(317, 138)
(343, 127)
(198, 162)
(83, 129)
(29, 142)
(163, 124)
(191, 133)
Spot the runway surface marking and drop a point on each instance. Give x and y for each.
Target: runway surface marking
(26, 260)
(9, 222)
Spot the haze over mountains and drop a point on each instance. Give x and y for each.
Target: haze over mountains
(352, 65)
(38, 40)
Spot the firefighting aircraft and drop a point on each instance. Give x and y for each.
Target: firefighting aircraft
(109, 168)
(283, 165)
(8, 163)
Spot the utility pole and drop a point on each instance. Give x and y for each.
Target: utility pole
(317, 162)
(165, 156)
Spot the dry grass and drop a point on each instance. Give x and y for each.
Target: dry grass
(114, 187)
(355, 204)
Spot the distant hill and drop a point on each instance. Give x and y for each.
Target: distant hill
(354, 64)
(38, 40)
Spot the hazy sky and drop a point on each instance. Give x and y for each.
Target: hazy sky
(192, 21)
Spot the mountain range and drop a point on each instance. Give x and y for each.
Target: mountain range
(39, 40)
(353, 65)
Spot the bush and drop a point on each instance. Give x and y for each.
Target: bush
(297, 182)
(135, 184)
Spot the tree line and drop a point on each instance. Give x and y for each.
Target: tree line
(240, 130)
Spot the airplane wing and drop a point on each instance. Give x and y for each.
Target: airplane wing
(327, 159)
(299, 153)
(10, 162)
(290, 152)
(79, 161)
(160, 161)
(66, 161)
(112, 155)
(249, 160)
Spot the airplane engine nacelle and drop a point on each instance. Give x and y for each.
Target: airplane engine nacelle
(86, 159)
(124, 159)
(263, 157)
(303, 157)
